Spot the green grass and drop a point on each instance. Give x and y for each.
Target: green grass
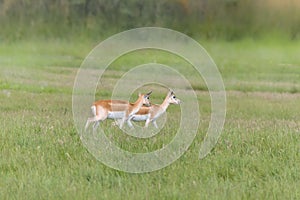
(257, 155)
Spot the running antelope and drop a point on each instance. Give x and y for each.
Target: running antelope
(150, 114)
(116, 109)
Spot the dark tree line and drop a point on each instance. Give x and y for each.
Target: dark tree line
(229, 19)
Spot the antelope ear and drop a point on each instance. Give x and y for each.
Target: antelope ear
(171, 92)
(149, 93)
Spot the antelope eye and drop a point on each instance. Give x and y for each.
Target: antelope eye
(174, 97)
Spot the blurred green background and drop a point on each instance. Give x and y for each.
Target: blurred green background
(205, 19)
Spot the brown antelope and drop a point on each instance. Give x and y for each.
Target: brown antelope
(116, 109)
(150, 114)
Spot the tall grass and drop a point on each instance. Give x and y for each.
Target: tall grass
(257, 156)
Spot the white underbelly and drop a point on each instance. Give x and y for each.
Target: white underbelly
(140, 117)
(116, 115)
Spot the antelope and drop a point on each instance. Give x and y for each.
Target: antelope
(151, 113)
(116, 109)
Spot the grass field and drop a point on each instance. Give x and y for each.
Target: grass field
(257, 155)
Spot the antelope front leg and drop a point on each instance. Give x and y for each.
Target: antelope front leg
(147, 123)
(155, 124)
(129, 122)
(122, 122)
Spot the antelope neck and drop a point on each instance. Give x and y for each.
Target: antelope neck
(165, 104)
(138, 103)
